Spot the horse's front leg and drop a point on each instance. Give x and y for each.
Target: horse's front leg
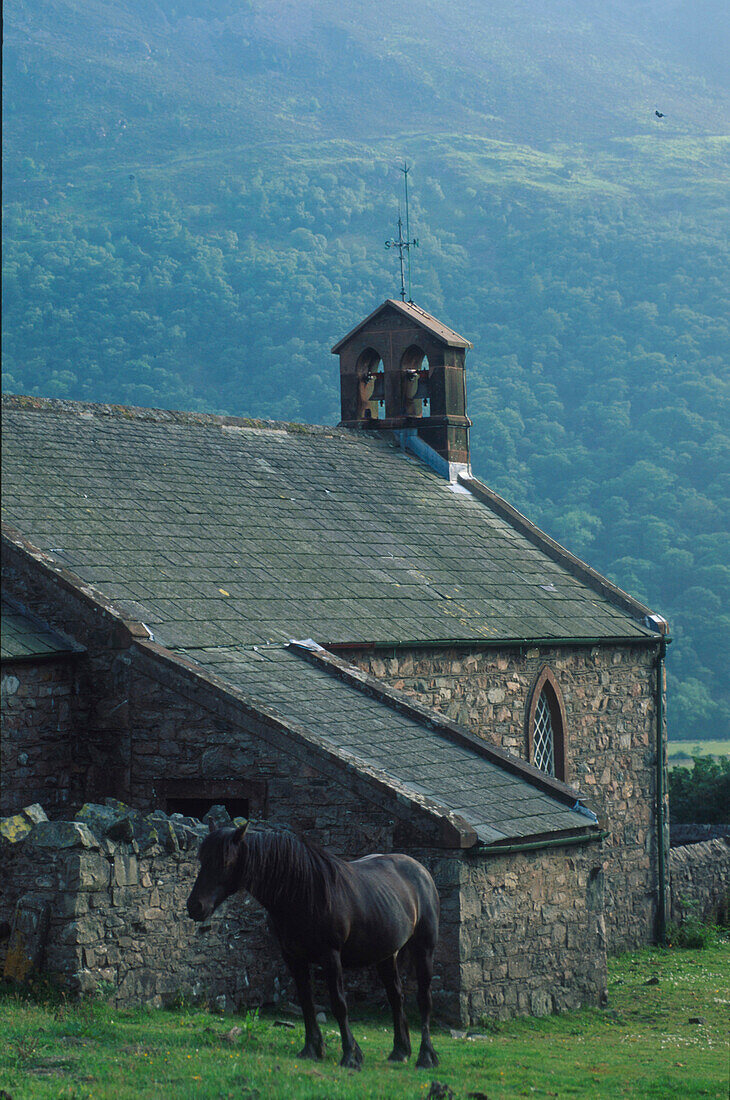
(388, 971)
(351, 1053)
(313, 1041)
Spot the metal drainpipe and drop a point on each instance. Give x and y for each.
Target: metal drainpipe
(661, 866)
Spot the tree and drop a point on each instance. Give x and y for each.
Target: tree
(700, 795)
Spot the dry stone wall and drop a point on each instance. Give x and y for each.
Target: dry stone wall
(101, 912)
(98, 903)
(700, 881)
(610, 702)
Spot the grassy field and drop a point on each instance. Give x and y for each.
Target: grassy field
(663, 1034)
(681, 752)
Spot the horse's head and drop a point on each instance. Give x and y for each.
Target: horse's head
(219, 875)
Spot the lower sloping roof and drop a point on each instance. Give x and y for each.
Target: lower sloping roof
(414, 753)
(24, 637)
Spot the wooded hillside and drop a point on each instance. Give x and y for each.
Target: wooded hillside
(197, 197)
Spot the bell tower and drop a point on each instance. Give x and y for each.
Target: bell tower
(401, 369)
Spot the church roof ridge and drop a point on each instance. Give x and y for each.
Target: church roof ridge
(100, 409)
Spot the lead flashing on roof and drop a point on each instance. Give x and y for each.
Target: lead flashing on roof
(410, 440)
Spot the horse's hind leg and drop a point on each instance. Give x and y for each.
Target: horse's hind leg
(388, 971)
(302, 975)
(351, 1053)
(423, 958)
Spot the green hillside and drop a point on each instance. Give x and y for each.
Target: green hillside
(197, 196)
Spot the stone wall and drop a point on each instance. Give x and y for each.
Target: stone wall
(679, 835)
(609, 693)
(99, 914)
(95, 911)
(38, 701)
(533, 934)
(521, 933)
(96, 726)
(700, 882)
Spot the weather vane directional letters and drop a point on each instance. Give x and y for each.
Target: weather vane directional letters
(404, 244)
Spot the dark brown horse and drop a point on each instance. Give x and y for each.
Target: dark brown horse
(336, 913)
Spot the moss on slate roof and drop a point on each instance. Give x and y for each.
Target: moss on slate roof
(215, 532)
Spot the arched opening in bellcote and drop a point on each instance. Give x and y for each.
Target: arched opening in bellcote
(370, 385)
(415, 382)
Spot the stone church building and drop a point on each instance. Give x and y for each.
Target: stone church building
(343, 631)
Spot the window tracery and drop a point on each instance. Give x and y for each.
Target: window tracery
(546, 726)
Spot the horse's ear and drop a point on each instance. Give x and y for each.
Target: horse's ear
(231, 843)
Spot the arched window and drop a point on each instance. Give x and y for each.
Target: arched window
(546, 726)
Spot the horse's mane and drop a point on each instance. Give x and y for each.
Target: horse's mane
(280, 867)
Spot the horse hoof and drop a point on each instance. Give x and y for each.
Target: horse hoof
(427, 1059)
(310, 1054)
(354, 1059)
(399, 1055)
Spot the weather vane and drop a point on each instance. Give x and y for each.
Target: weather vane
(404, 244)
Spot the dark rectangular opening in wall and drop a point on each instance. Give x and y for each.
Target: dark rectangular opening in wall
(194, 797)
(198, 807)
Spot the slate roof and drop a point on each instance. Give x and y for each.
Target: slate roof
(23, 637)
(218, 533)
(228, 538)
(414, 313)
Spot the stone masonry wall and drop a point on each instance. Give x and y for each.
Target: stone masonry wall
(700, 882)
(38, 701)
(103, 914)
(97, 726)
(533, 936)
(114, 919)
(610, 702)
(108, 915)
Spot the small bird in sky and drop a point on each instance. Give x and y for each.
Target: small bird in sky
(659, 114)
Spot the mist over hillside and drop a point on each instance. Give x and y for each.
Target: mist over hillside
(197, 196)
